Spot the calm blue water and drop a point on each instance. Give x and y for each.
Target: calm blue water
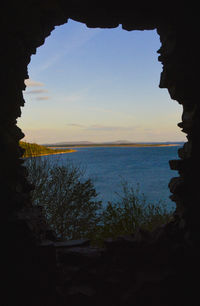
(146, 166)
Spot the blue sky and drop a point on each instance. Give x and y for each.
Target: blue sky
(98, 85)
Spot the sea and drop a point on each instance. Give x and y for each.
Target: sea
(145, 168)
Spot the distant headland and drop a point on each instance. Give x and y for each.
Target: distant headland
(34, 150)
(119, 143)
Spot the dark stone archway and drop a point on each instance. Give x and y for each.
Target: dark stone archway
(157, 268)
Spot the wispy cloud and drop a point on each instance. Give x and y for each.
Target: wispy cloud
(32, 83)
(76, 40)
(43, 98)
(100, 127)
(76, 125)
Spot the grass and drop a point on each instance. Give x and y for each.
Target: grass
(33, 149)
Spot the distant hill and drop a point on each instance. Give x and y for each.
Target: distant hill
(109, 143)
(117, 142)
(75, 142)
(64, 143)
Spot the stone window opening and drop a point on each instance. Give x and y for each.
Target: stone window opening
(39, 91)
(161, 268)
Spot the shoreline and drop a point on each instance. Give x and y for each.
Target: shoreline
(52, 153)
(71, 149)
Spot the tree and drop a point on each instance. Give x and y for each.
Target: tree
(68, 199)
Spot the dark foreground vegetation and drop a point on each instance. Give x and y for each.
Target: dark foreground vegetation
(72, 209)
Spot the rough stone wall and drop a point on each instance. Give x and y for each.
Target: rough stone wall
(28, 272)
(180, 77)
(157, 268)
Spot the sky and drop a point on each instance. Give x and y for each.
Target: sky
(98, 85)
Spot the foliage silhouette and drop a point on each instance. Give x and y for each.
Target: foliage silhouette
(67, 198)
(129, 213)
